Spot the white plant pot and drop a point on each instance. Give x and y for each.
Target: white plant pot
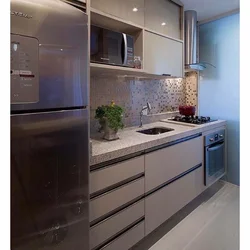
(109, 133)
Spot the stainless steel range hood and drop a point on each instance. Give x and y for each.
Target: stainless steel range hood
(191, 63)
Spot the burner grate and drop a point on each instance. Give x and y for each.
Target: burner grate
(192, 119)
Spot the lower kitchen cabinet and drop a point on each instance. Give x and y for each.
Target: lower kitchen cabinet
(109, 228)
(128, 239)
(132, 198)
(106, 177)
(162, 204)
(112, 200)
(164, 164)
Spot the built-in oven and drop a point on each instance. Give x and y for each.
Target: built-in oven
(111, 47)
(215, 166)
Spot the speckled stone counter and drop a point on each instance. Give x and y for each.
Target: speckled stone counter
(131, 141)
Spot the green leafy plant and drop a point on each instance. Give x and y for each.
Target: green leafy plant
(112, 114)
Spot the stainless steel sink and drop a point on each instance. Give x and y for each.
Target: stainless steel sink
(155, 131)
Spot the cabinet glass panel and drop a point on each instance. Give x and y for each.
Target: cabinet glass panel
(163, 16)
(130, 10)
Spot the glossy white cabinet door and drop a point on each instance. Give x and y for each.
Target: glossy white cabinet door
(163, 16)
(164, 203)
(124, 9)
(163, 55)
(164, 164)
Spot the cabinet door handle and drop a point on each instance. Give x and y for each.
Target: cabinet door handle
(166, 74)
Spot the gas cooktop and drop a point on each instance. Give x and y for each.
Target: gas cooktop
(198, 120)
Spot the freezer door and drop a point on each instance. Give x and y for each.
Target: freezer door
(49, 181)
(49, 58)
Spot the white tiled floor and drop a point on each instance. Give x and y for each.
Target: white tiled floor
(214, 225)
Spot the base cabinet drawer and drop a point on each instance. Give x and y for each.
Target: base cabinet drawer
(110, 175)
(167, 163)
(128, 239)
(164, 203)
(103, 231)
(106, 203)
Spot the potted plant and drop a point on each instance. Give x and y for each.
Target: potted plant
(110, 119)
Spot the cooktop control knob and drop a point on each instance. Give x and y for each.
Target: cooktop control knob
(211, 139)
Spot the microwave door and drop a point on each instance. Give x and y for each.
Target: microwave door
(113, 44)
(98, 46)
(106, 46)
(102, 46)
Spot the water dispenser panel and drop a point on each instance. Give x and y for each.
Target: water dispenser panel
(24, 69)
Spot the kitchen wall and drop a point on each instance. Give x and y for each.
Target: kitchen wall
(163, 95)
(219, 87)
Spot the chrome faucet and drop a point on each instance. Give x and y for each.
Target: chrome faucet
(148, 107)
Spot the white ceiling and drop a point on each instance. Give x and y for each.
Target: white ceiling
(207, 9)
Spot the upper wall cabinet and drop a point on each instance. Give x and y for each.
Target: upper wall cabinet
(157, 28)
(130, 10)
(163, 56)
(163, 16)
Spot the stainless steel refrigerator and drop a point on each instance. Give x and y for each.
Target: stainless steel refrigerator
(49, 126)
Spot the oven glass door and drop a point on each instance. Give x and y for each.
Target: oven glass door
(49, 181)
(106, 46)
(215, 162)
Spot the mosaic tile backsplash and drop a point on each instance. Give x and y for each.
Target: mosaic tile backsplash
(132, 95)
(163, 95)
(191, 83)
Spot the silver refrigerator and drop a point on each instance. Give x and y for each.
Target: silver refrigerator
(49, 126)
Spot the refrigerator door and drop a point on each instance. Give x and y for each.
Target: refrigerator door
(49, 181)
(49, 60)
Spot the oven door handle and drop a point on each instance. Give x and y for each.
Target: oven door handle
(125, 40)
(218, 146)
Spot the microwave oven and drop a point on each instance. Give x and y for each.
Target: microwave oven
(111, 47)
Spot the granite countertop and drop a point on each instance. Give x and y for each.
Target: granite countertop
(131, 141)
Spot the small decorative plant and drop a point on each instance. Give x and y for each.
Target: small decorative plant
(110, 119)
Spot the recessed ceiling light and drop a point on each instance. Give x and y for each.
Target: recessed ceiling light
(135, 9)
(61, 49)
(163, 24)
